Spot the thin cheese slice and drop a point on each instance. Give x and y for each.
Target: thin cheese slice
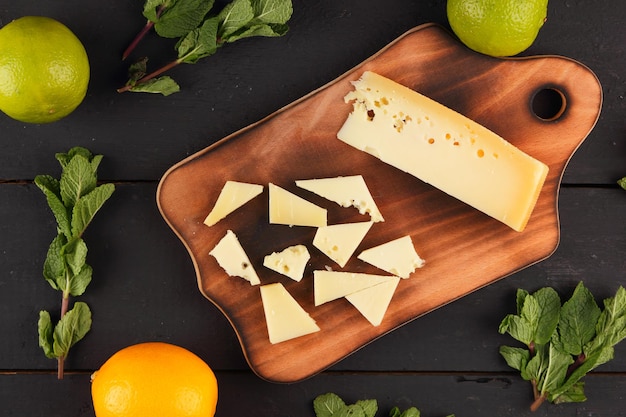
(331, 285)
(339, 241)
(444, 148)
(345, 191)
(290, 209)
(373, 302)
(233, 259)
(285, 318)
(233, 195)
(397, 257)
(290, 262)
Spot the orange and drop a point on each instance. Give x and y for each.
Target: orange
(44, 70)
(154, 379)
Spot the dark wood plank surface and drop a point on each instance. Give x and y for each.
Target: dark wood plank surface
(144, 285)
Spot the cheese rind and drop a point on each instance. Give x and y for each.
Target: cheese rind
(290, 262)
(373, 302)
(332, 285)
(233, 195)
(292, 210)
(231, 256)
(284, 316)
(444, 148)
(398, 257)
(339, 241)
(345, 191)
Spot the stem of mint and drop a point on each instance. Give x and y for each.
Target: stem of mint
(149, 25)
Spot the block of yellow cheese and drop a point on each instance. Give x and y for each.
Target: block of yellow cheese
(443, 148)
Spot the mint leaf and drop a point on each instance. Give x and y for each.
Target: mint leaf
(234, 16)
(65, 158)
(611, 326)
(75, 253)
(72, 327)
(198, 43)
(352, 410)
(556, 370)
(272, 11)
(327, 405)
(52, 190)
(369, 407)
(77, 179)
(537, 318)
(54, 267)
(259, 30)
(80, 281)
(87, 207)
(575, 394)
(44, 327)
(409, 412)
(578, 320)
(152, 8)
(181, 17)
(622, 182)
(162, 85)
(516, 358)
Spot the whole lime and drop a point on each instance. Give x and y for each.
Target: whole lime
(44, 70)
(497, 27)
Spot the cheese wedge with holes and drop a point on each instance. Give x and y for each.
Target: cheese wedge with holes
(331, 285)
(233, 259)
(339, 241)
(398, 257)
(234, 194)
(290, 262)
(443, 148)
(292, 210)
(345, 191)
(373, 302)
(284, 316)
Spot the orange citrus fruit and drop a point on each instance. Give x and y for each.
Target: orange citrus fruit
(154, 379)
(44, 70)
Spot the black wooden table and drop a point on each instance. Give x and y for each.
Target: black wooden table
(144, 286)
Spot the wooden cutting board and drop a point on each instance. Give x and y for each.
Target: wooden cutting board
(463, 248)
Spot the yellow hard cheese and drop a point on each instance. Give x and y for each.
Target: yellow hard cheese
(345, 191)
(443, 148)
(292, 210)
(373, 302)
(290, 262)
(231, 256)
(234, 194)
(331, 285)
(397, 257)
(339, 241)
(285, 318)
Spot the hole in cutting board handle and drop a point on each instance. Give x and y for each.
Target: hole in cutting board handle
(548, 103)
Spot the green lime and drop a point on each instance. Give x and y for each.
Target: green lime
(44, 70)
(497, 27)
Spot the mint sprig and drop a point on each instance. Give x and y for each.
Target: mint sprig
(202, 31)
(74, 199)
(562, 342)
(331, 405)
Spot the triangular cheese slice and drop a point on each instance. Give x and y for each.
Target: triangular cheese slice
(233, 259)
(397, 257)
(331, 285)
(345, 191)
(233, 195)
(373, 302)
(290, 209)
(290, 262)
(285, 318)
(339, 241)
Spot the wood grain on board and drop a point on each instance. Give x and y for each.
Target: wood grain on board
(463, 248)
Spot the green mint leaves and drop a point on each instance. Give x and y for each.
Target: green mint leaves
(331, 405)
(74, 200)
(562, 342)
(202, 31)
(622, 182)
